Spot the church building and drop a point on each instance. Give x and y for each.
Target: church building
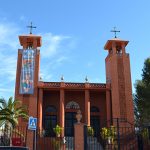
(55, 103)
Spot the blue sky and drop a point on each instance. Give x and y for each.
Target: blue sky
(74, 33)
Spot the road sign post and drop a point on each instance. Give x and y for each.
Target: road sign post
(32, 125)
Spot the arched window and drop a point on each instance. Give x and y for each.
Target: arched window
(95, 119)
(50, 120)
(94, 109)
(50, 109)
(72, 105)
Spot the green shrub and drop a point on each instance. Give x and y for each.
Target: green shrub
(90, 131)
(57, 130)
(109, 134)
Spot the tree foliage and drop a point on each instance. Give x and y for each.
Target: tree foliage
(11, 111)
(142, 96)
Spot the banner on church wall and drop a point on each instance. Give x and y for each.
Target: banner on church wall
(27, 72)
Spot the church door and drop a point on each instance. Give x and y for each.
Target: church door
(70, 120)
(95, 120)
(95, 123)
(50, 120)
(70, 117)
(50, 124)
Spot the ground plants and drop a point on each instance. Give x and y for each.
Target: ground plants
(90, 131)
(58, 130)
(109, 134)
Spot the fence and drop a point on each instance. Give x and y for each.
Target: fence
(121, 136)
(92, 139)
(10, 136)
(143, 137)
(47, 142)
(50, 143)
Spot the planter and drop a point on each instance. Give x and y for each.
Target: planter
(17, 142)
(57, 135)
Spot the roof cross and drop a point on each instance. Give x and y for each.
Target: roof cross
(31, 27)
(115, 32)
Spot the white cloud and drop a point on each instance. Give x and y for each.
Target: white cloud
(8, 54)
(90, 64)
(22, 18)
(5, 90)
(46, 76)
(51, 44)
(61, 59)
(8, 67)
(8, 36)
(54, 53)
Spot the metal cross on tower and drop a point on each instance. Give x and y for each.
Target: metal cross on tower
(115, 31)
(31, 27)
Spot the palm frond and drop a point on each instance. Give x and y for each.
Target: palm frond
(3, 102)
(9, 120)
(11, 111)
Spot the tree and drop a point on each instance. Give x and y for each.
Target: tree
(142, 96)
(11, 111)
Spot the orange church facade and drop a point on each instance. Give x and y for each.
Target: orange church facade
(57, 102)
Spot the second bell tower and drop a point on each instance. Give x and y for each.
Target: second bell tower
(119, 76)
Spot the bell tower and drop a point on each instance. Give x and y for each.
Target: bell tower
(27, 73)
(119, 76)
(27, 77)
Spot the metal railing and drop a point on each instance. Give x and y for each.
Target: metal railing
(49, 141)
(92, 139)
(10, 136)
(118, 134)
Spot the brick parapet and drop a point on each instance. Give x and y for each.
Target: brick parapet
(71, 85)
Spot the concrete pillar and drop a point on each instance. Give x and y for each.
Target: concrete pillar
(79, 136)
(40, 109)
(87, 107)
(123, 48)
(62, 110)
(35, 43)
(25, 43)
(108, 104)
(30, 138)
(114, 48)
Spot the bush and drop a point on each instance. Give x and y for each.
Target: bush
(57, 130)
(90, 131)
(109, 134)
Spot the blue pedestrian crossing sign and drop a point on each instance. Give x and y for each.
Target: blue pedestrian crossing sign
(32, 124)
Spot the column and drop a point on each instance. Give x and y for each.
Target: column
(62, 110)
(79, 136)
(24, 43)
(123, 48)
(87, 107)
(40, 109)
(108, 104)
(114, 48)
(34, 43)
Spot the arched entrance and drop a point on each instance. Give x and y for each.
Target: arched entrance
(95, 119)
(70, 117)
(50, 120)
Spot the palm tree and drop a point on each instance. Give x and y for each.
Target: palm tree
(11, 111)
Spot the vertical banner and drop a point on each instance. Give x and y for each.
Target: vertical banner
(27, 72)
